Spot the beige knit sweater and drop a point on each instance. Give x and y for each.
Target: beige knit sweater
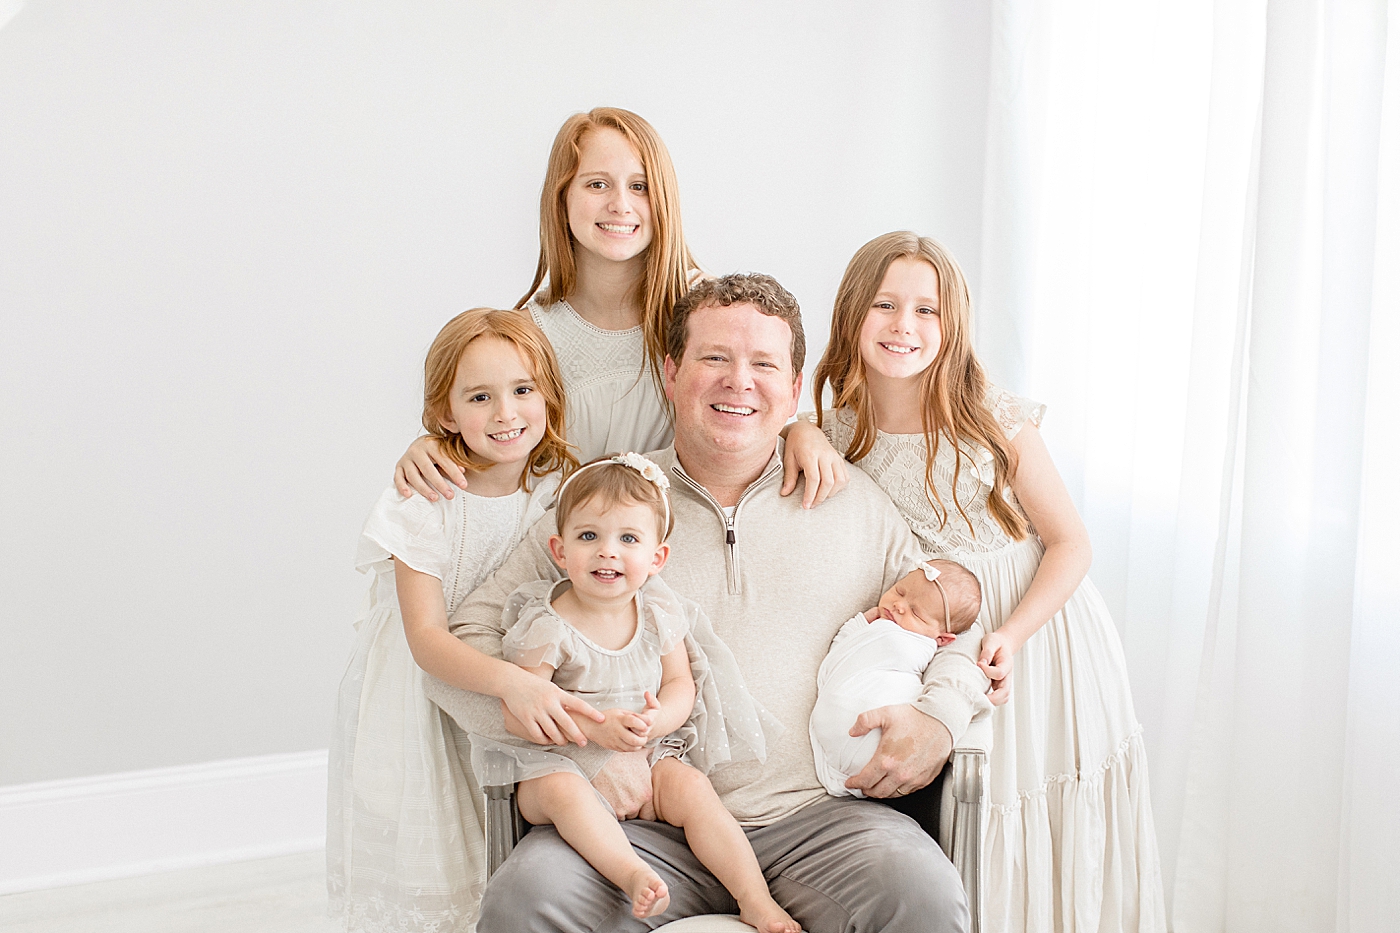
(778, 582)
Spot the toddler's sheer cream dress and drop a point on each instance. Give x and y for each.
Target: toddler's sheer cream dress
(725, 725)
(1070, 846)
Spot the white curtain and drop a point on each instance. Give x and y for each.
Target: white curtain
(1192, 253)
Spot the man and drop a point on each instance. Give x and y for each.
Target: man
(777, 581)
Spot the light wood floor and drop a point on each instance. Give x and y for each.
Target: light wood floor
(277, 895)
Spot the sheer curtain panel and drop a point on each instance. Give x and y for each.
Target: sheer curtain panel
(1190, 251)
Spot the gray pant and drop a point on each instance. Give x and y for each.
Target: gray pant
(839, 866)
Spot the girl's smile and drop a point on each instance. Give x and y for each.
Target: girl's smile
(609, 551)
(902, 330)
(497, 409)
(608, 202)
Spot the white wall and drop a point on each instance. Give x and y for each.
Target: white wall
(228, 231)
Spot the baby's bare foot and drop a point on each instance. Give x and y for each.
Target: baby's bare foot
(648, 893)
(764, 915)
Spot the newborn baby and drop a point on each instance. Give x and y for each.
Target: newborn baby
(878, 659)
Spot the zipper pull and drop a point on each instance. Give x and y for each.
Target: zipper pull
(729, 535)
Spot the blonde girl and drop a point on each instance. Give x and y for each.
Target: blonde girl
(404, 847)
(1069, 843)
(615, 635)
(613, 262)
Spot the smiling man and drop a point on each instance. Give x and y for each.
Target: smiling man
(777, 581)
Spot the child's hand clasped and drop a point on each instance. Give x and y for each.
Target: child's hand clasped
(621, 731)
(543, 710)
(648, 715)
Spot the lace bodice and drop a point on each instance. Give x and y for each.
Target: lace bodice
(613, 403)
(896, 463)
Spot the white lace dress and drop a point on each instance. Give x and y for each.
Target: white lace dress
(613, 404)
(404, 843)
(1069, 842)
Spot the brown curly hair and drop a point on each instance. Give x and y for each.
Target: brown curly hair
(754, 288)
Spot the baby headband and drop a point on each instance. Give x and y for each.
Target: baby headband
(650, 472)
(931, 575)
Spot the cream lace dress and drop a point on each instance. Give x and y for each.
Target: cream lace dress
(613, 404)
(1069, 842)
(404, 843)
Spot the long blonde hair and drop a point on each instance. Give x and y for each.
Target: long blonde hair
(954, 387)
(440, 371)
(669, 264)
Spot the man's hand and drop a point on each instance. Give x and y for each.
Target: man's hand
(625, 782)
(913, 749)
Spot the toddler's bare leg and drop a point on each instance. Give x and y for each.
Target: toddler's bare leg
(569, 802)
(684, 797)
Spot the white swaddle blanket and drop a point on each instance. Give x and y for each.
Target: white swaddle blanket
(870, 664)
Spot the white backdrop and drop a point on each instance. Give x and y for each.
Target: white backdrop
(228, 232)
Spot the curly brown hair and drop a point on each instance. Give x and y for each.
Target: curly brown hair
(754, 288)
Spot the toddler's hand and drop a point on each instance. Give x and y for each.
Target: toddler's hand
(543, 709)
(620, 731)
(648, 715)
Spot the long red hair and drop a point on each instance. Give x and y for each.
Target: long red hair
(669, 264)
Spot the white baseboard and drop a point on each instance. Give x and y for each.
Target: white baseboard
(57, 833)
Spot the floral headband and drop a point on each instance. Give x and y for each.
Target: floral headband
(931, 575)
(650, 471)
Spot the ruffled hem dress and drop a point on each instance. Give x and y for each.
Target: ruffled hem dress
(1069, 844)
(405, 850)
(726, 725)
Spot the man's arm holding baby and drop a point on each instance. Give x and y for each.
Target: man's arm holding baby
(916, 739)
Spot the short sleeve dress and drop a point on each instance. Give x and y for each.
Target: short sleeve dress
(1069, 842)
(614, 405)
(404, 844)
(725, 725)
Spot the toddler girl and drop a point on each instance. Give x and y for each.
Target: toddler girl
(404, 845)
(621, 639)
(878, 659)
